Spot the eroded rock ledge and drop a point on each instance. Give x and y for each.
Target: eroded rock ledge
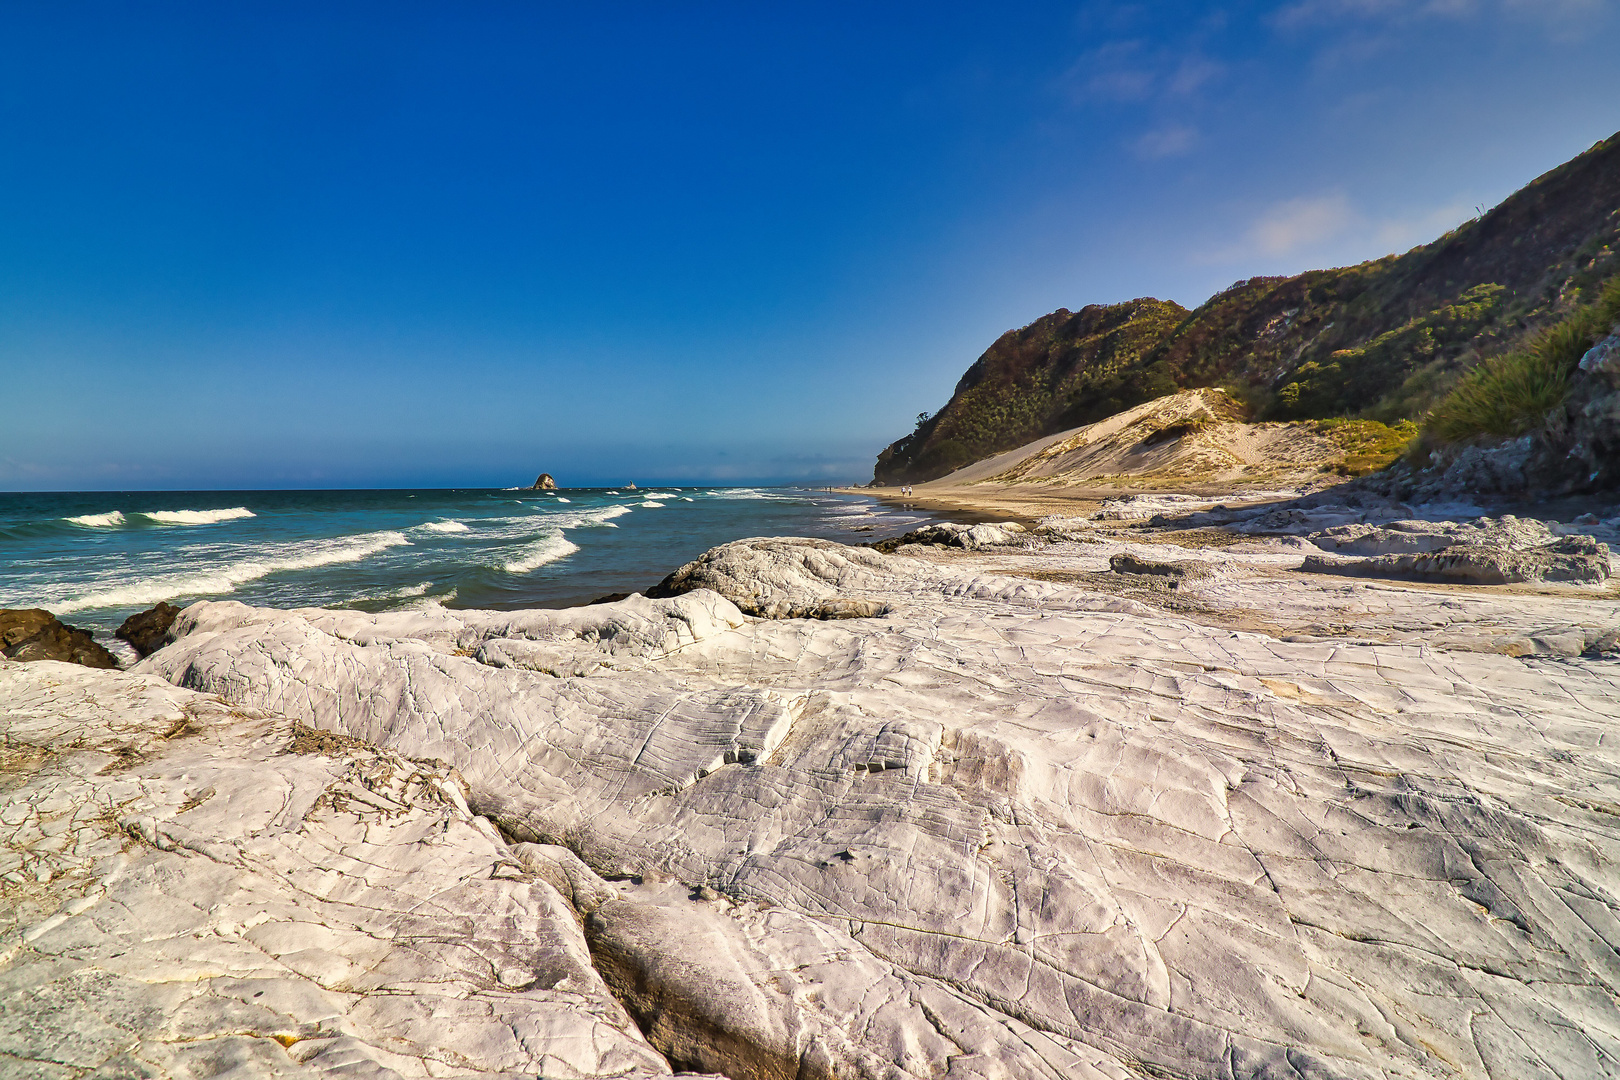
(1008, 828)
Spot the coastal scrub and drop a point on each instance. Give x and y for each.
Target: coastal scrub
(1511, 394)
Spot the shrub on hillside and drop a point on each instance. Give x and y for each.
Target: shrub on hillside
(1510, 395)
(1368, 445)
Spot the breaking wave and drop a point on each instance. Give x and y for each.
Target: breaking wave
(110, 520)
(533, 556)
(518, 528)
(306, 555)
(444, 526)
(197, 517)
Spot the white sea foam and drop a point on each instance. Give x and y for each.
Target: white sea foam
(657, 494)
(110, 520)
(655, 504)
(443, 526)
(533, 556)
(197, 517)
(745, 493)
(517, 528)
(561, 499)
(405, 592)
(217, 580)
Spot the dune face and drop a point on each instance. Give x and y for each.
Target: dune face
(1010, 827)
(1196, 438)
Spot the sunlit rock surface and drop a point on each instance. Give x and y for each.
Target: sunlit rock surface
(193, 890)
(1036, 819)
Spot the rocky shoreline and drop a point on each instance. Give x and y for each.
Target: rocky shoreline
(1173, 788)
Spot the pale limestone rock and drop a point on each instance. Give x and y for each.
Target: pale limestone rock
(985, 534)
(183, 896)
(1487, 551)
(1021, 830)
(783, 578)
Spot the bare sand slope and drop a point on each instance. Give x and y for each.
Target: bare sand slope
(1194, 438)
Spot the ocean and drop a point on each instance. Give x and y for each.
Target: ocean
(95, 558)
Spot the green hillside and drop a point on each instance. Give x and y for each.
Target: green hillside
(1384, 340)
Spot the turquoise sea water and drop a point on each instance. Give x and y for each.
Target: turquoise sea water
(95, 558)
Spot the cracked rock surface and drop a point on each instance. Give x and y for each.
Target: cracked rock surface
(193, 890)
(1484, 552)
(1021, 824)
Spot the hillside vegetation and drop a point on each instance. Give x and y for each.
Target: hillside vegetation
(1386, 340)
(1511, 394)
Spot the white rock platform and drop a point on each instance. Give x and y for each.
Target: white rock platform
(1010, 827)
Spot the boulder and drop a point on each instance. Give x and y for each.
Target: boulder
(1126, 563)
(544, 482)
(1485, 551)
(1573, 559)
(954, 534)
(148, 631)
(1396, 538)
(36, 634)
(782, 578)
(1059, 527)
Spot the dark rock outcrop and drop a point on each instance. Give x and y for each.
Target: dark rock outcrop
(1575, 450)
(544, 482)
(148, 631)
(1580, 447)
(36, 634)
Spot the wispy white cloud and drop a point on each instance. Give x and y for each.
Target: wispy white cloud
(1328, 227)
(1300, 223)
(1166, 142)
(1192, 74)
(1126, 71)
(1114, 72)
(1306, 13)
(1302, 14)
(1403, 233)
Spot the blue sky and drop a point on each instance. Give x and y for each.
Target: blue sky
(456, 244)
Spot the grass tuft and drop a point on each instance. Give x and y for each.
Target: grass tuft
(1512, 394)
